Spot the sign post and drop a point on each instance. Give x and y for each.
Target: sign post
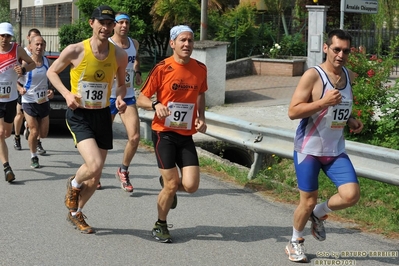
(357, 6)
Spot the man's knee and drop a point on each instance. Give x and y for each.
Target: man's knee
(349, 193)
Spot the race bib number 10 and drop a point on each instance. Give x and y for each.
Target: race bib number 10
(5, 89)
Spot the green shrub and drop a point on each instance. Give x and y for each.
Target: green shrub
(374, 100)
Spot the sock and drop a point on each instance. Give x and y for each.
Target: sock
(124, 168)
(75, 183)
(78, 210)
(296, 234)
(321, 209)
(6, 164)
(17, 136)
(33, 154)
(161, 222)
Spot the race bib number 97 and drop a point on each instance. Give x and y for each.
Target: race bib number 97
(181, 115)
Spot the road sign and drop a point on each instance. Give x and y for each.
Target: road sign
(361, 6)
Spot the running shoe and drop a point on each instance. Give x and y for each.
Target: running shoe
(26, 131)
(9, 174)
(39, 148)
(174, 204)
(317, 228)
(78, 221)
(72, 195)
(123, 177)
(296, 250)
(99, 187)
(17, 143)
(34, 162)
(161, 232)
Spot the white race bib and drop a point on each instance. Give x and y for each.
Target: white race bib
(129, 78)
(338, 115)
(40, 95)
(181, 115)
(94, 94)
(5, 89)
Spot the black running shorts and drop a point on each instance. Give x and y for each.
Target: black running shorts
(8, 110)
(173, 149)
(91, 123)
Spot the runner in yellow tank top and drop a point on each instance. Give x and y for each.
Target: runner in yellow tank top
(95, 62)
(93, 81)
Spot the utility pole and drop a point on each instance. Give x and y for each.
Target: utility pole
(204, 20)
(19, 20)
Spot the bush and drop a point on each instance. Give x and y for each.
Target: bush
(374, 100)
(293, 45)
(74, 33)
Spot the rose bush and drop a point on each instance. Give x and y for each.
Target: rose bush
(375, 101)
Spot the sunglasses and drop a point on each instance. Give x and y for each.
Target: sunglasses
(338, 50)
(5, 35)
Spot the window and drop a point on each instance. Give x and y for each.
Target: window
(49, 16)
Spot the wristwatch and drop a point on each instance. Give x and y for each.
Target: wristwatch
(155, 103)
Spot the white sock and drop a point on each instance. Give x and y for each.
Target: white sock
(33, 155)
(75, 184)
(296, 234)
(321, 209)
(78, 210)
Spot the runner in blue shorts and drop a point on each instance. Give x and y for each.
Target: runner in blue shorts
(323, 101)
(130, 118)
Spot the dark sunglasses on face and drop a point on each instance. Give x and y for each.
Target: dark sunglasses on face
(5, 35)
(338, 50)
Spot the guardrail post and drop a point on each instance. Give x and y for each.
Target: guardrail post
(146, 124)
(256, 165)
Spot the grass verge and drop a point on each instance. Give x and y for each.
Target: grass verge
(376, 211)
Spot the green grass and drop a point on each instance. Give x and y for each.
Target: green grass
(376, 211)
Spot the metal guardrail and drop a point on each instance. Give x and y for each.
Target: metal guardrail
(370, 161)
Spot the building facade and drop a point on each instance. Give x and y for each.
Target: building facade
(46, 15)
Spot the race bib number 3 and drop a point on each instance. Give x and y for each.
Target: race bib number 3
(129, 78)
(94, 94)
(181, 115)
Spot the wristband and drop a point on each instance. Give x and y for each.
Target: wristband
(155, 103)
(23, 69)
(138, 72)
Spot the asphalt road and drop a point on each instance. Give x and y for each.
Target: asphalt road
(221, 224)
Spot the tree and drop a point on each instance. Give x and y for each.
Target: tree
(279, 7)
(4, 10)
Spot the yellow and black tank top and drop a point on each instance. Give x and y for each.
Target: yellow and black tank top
(92, 79)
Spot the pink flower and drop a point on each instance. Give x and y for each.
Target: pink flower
(359, 113)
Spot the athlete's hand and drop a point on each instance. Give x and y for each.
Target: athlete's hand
(120, 105)
(18, 70)
(73, 101)
(332, 97)
(50, 94)
(138, 79)
(355, 125)
(200, 125)
(162, 111)
(21, 90)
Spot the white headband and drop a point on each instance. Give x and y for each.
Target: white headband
(176, 30)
